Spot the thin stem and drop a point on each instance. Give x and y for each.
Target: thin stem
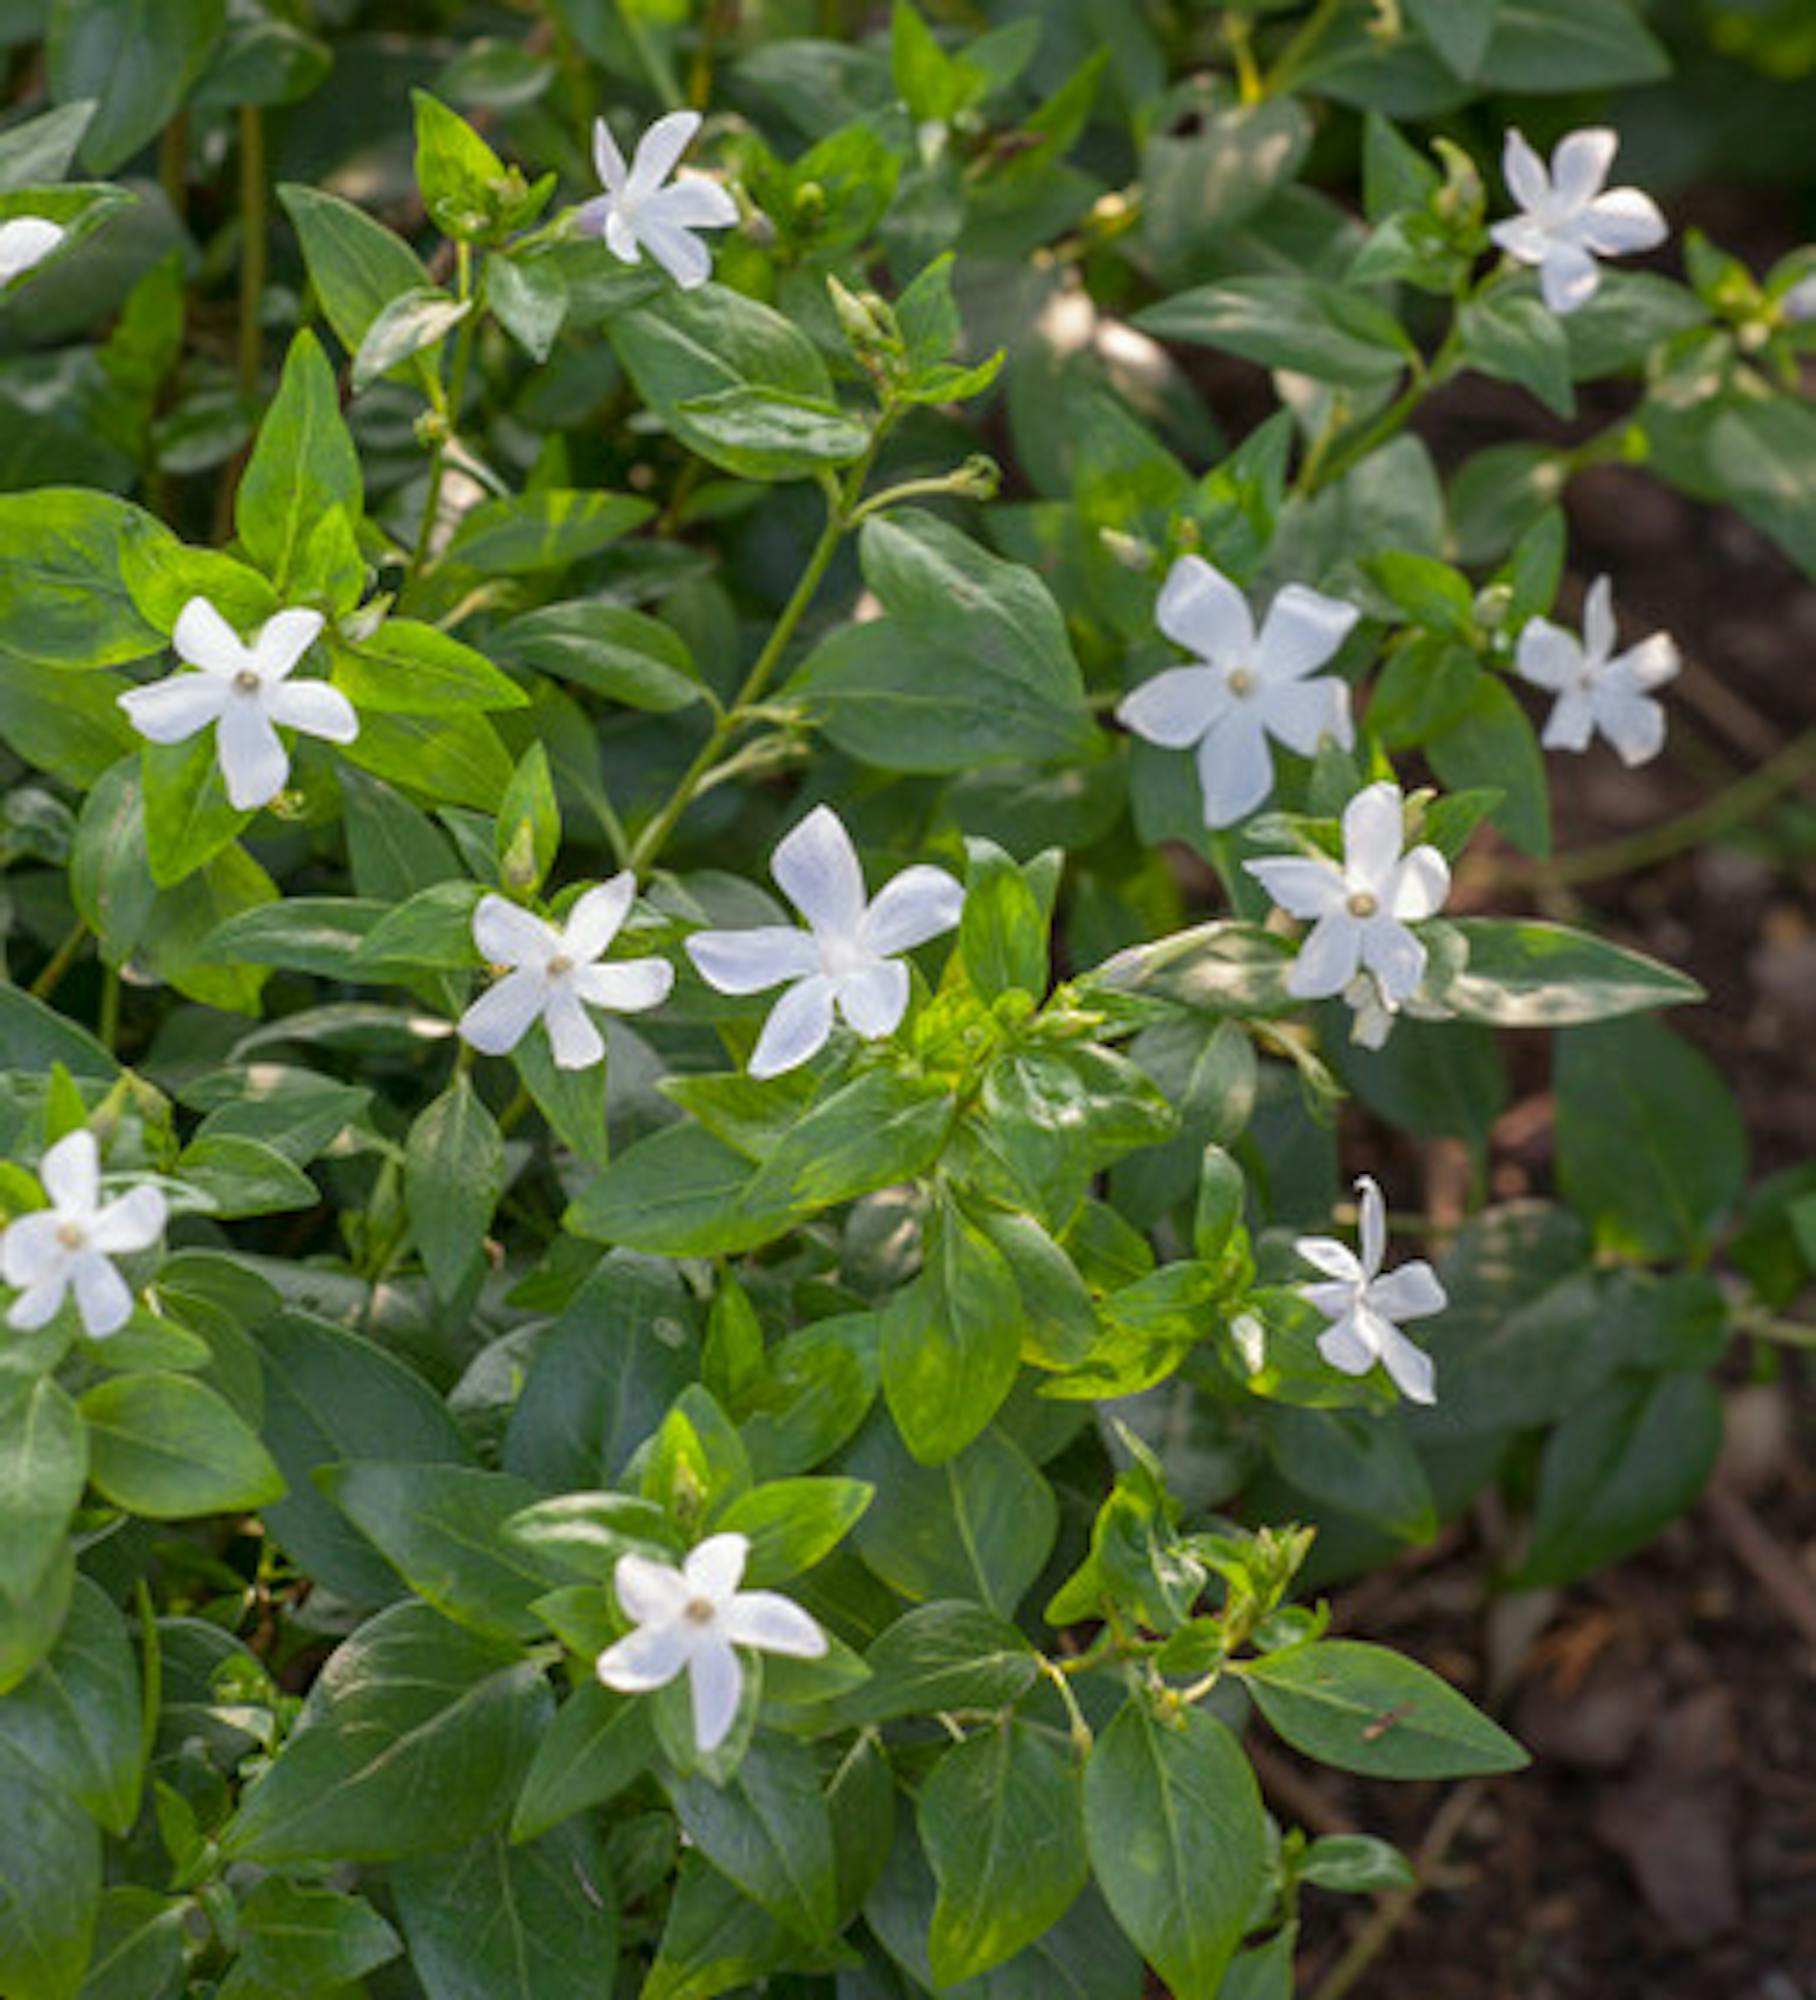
(1296, 56)
(110, 1009)
(457, 384)
(1763, 1325)
(1238, 35)
(61, 960)
(253, 232)
(1082, 1738)
(173, 163)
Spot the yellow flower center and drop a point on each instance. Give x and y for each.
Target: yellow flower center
(246, 681)
(1241, 682)
(1362, 904)
(700, 1611)
(70, 1235)
(559, 964)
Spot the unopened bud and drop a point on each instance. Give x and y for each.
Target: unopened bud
(860, 322)
(518, 869)
(979, 478)
(432, 429)
(1461, 200)
(810, 206)
(1493, 602)
(1129, 550)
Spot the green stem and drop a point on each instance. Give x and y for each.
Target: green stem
(110, 1009)
(173, 163)
(62, 959)
(1297, 54)
(253, 231)
(457, 386)
(1082, 1738)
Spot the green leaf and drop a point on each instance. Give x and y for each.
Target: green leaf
(773, 423)
(43, 1469)
(296, 1938)
(880, 1129)
(767, 1830)
(1358, 1462)
(529, 298)
(415, 1738)
(50, 1887)
(599, 1743)
(406, 668)
(356, 265)
(133, 61)
(138, 1946)
(303, 464)
(1524, 974)
(458, 173)
(453, 1175)
(1492, 745)
(63, 601)
(715, 1939)
(1234, 160)
(1515, 337)
(624, 655)
(188, 817)
(1327, 331)
(439, 1526)
(1572, 45)
(792, 1524)
(528, 831)
(1215, 968)
(29, 1625)
(1178, 1841)
(1001, 1820)
(450, 758)
(167, 1446)
(414, 323)
(243, 1176)
(39, 150)
(1650, 1144)
(1362, 1708)
(1354, 1864)
(67, 725)
(1460, 30)
(547, 529)
(942, 1656)
(319, 934)
(497, 1922)
(76, 1720)
(1003, 932)
(677, 1193)
(972, 665)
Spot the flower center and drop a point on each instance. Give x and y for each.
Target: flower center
(1362, 904)
(245, 681)
(559, 964)
(71, 1235)
(1241, 682)
(700, 1611)
(841, 955)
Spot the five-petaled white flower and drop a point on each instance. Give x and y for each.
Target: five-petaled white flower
(1567, 220)
(556, 974)
(243, 690)
(692, 1620)
(1246, 688)
(25, 242)
(1596, 687)
(637, 212)
(845, 956)
(1360, 910)
(71, 1245)
(1364, 1307)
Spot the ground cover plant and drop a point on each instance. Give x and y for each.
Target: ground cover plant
(723, 933)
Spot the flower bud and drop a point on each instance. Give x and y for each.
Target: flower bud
(1493, 602)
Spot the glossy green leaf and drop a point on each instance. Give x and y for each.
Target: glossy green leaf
(167, 1446)
(303, 464)
(453, 1174)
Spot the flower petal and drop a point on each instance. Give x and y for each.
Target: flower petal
(507, 934)
(1411, 1292)
(627, 986)
(593, 216)
(1302, 630)
(1371, 1225)
(608, 162)
(716, 1684)
(1327, 959)
(693, 203)
(1344, 1348)
(25, 241)
(874, 998)
(71, 1173)
(659, 152)
(1302, 886)
(500, 1018)
(315, 708)
(1649, 664)
(797, 1028)
(40, 1301)
(1421, 884)
(1580, 163)
(29, 1249)
(253, 760)
(715, 1567)
(1548, 656)
(621, 236)
(1633, 722)
(1176, 707)
(172, 710)
(205, 639)
(1235, 767)
(773, 1624)
(1409, 1367)
(1374, 831)
(920, 903)
(1334, 1259)
(134, 1222)
(1568, 277)
(648, 1658)
(282, 640)
(751, 961)
(650, 1593)
(1523, 171)
(1301, 714)
(683, 256)
(1202, 610)
(574, 1041)
(1600, 632)
(1571, 722)
(1394, 956)
(818, 870)
(1523, 237)
(103, 1297)
(598, 917)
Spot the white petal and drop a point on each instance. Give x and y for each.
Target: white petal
(507, 934)
(659, 152)
(874, 998)
(920, 903)
(648, 1658)
(172, 710)
(1571, 722)
(1411, 1292)
(30, 1251)
(282, 640)
(315, 708)
(71, 1174)
(26, 240)
(651, 1593)
(772, 1624)
(715, 1567)
(1622, 223)
(103, 1297)
(253, 761)
(1599, 629)
(693, 203)
(1334, 1259)
(1548, 656)
(607, 159)
(1344, 1348)
(205, 639)
(1523, 171)
(621, 236)
(1568, 277)
(573, 1039)
(1523, 237)
(593, 216)
(1634, 723)
(683, 256)
(500, 1018)
(1649, 664)
(1410, 1367)
(1374, 831)
(750, 961)
(1302, 886)
(1420, 886)
(134, 1222)
(40, 1301)
(1580, 163)
(627, 986)
(1202, 610)
(1302, 631)
(597, 917)
(716, 1683)
(817, 867)
(1336, 1300)
(1372, 1223)
(1235, 767)
(1394, 956)
(1327, 959)
(1302, 713)
(1176, 707)
(797, 1028)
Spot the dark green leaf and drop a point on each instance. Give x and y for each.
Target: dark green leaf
(167, 1446)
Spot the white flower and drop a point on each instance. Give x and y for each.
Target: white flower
(1799, 303)
(1567, 220)
(243, 690)
(25, 242)
(637, 213)
(1596, 687)
(1359, 912)
(845, 956)
(71, 1244)
(691, 1620)
(1246, 689)
(556, 974)
(1364, 1307)
(1373, 1011)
